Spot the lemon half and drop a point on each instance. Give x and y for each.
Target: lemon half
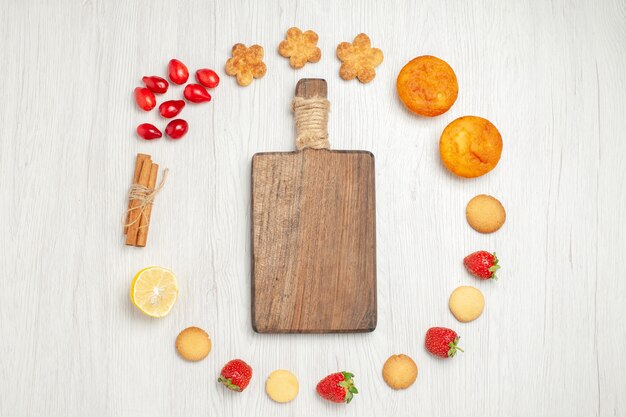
(154, 291)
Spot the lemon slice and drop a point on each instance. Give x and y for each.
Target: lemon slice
(154, 291)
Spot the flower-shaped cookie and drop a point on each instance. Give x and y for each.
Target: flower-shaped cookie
(246, 63)
(359, 59)
(300, 47)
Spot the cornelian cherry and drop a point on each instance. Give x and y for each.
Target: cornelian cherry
(207, 77)
(171, 108)
(148, 131)
(177, 128)
(156, 84)
(196, 93)
(145, 98)
(178, 72)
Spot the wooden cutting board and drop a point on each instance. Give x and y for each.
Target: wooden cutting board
(313, 238)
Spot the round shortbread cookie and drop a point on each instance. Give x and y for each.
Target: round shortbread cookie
(466, 303)
(282, 386)
(485, 213)
(193, 344)
(399, 371)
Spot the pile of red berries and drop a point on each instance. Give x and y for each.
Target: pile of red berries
(194, 93)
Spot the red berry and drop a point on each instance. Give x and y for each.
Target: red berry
(236, 375)
(442, 342)
(178, 72)
(196, 93)
(145, 98)
(482, 264)
(148, 131)
(338, 387)
(207, 77)
(171, 108)
(156, 84)
(177, 128)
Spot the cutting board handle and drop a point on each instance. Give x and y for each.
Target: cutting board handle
(310, 107)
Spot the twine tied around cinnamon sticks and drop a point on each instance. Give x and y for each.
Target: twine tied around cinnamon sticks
(311, 116)
(141, 196)
(145, 196)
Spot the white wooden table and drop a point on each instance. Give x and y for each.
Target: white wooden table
(550, 75)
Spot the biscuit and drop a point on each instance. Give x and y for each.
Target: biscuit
(359, 59)
(485, 213)
(427, 86)
(470, 146)
(246, 64)
(399, 371)
(193, 344)
(466, 303)
(300, 47)
(282, 386)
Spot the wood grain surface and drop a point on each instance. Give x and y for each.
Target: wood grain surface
(314, 242)
(313, 237)
(549, 75)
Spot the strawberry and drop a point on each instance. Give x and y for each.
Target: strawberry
(236, 375)
(482, 264)
(337, 387)
(442, 342)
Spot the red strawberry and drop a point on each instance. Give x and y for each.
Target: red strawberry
(236, 375)
(337, 387)
(482, 264)
(442, 342)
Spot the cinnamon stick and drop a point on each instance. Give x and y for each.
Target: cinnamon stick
(138, 162)
(144, 223)
(135, 212)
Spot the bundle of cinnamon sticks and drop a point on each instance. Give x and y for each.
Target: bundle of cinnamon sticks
(141, 195)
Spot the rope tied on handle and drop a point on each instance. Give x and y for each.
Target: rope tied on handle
(145, 195)
(311, 116)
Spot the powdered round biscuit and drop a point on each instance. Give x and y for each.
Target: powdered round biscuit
(485, 213)
(193, 344)
(466, 303)
(282, 386)
(399, 371)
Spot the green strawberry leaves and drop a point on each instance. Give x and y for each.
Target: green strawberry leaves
(228, 383)
(348, 385)
(494, 267)
(454, 348)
